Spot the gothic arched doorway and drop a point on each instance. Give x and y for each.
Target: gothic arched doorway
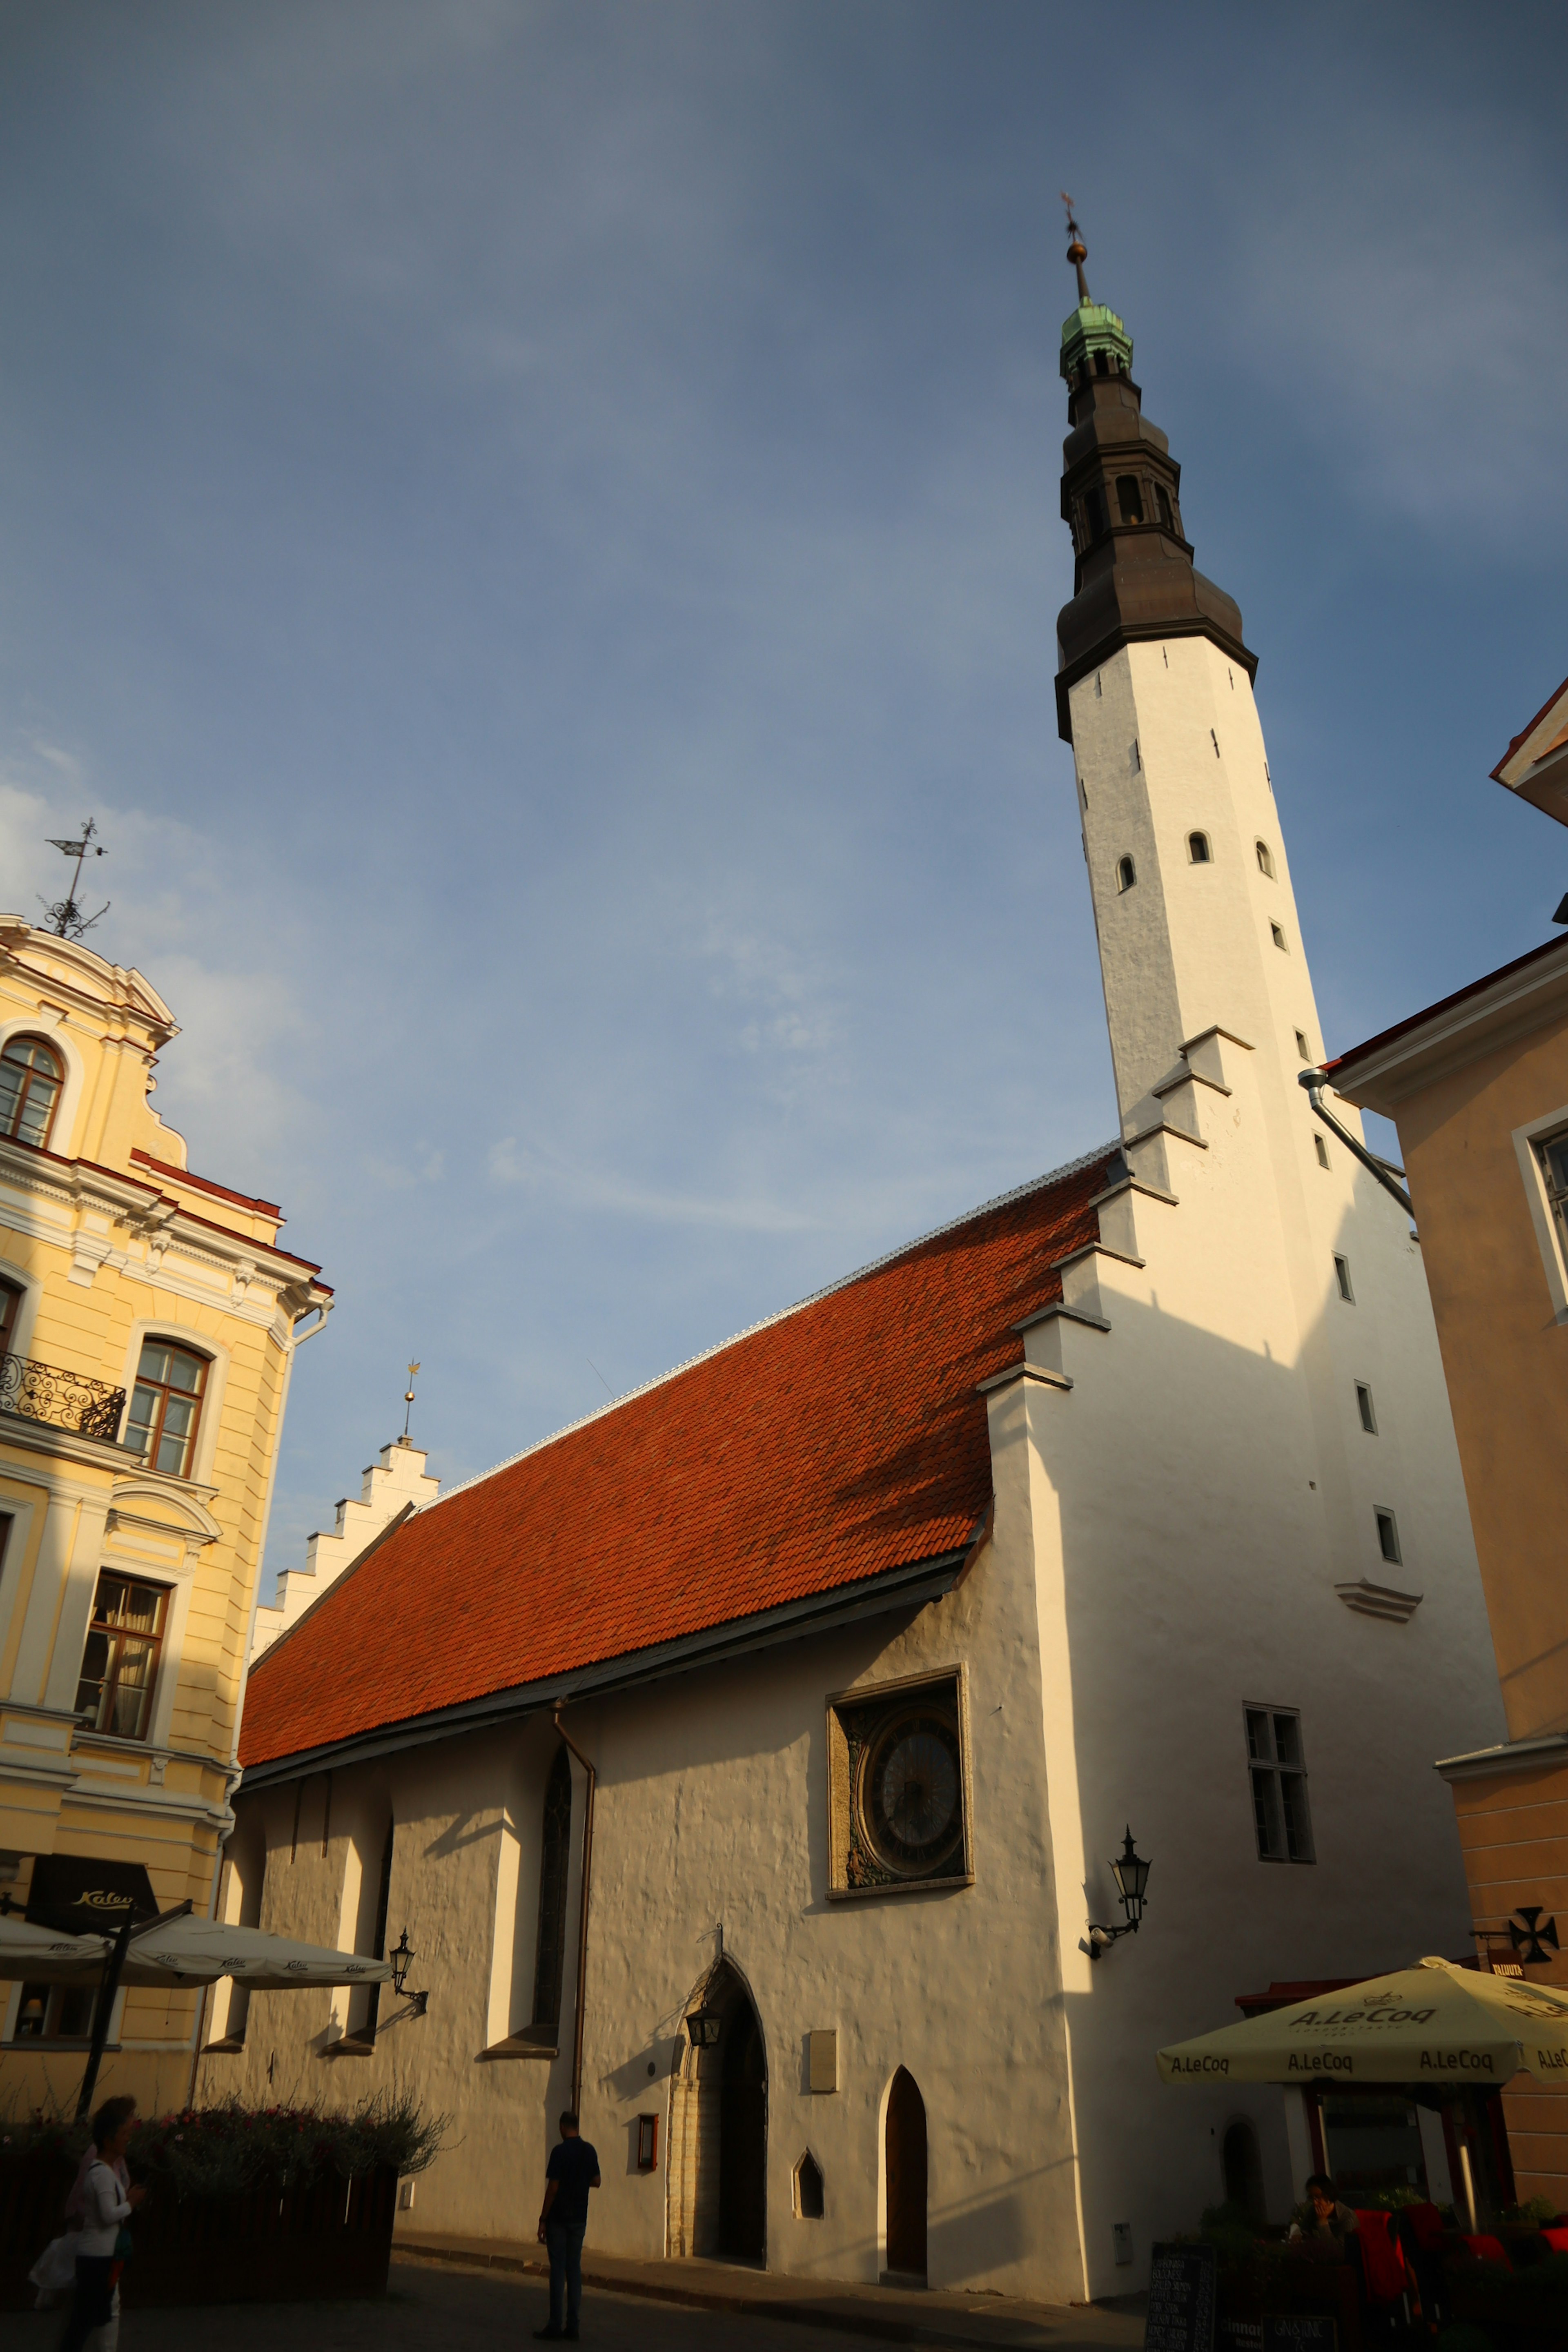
(718, 2161)
(906, 2178)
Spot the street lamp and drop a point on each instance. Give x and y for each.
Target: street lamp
(403, 1957)
(1130, 1872)
(704, 2026)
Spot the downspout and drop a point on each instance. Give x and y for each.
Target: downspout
(583, 1914)
(1314, 1081)
(322, 1308)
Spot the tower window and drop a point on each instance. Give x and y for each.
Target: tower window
(1096, 511)
(1388, 1537)
(1278, 936)
(1277, 1767)
(1342, 1277)
(1199, 848)
(166, 1406)
(1363, 1406)
(1101, 364)
(1322, 1151)
(31, 1076)
(1162, 499)
(1264, 860)
(1130, 498)
(1126, 874)
(1301, 1045)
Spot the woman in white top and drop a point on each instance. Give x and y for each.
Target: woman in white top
(107, 2203)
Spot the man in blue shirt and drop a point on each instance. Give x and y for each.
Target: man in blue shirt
(572, 2171)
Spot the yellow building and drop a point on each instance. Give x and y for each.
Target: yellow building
(148, 1320)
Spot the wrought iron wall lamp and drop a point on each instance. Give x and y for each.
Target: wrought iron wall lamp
(403, 1957)
(1130, 1872)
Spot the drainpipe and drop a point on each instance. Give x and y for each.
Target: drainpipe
(583, 1914)
(1314, 1081)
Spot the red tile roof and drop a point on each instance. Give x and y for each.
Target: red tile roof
(839, 1440)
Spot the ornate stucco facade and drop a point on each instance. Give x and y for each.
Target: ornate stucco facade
(859, 1642)
(151, 1318)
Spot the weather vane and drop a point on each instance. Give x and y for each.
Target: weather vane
(408, 1400)
(66, 918)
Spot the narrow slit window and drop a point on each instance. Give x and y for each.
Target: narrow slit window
(1278, 936)
(1388, 1537)
(1363, 1406)
(1162, 499)
(1301, 1045)
(1126, 874)
(1096, 513)
(1281, 1820)
(1321, 1148)
(1130, 498)
(1199, 848)
(1265, 859)
(1342, 1277)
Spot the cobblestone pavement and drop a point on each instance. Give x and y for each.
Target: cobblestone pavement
(440, 2308)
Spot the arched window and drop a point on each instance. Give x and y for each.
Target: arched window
(166, 1406)
(1163, 497)
(1130, 498)
(1199, 848)
(1126, 874)
(809, 2188)
(10, 1307)
(1096, 513)
(31, 1076)
(554, 1862)
(1264, 860)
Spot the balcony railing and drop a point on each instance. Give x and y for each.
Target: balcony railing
(64, 1399)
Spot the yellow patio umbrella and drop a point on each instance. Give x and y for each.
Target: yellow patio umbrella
(1429, 2026)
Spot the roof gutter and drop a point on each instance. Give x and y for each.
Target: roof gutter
(1315, 1081)
(910, 1585)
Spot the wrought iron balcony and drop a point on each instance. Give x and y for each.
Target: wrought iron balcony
(64, 1399)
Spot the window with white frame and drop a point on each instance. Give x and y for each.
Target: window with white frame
(1551, 1150)
(1277, 1765)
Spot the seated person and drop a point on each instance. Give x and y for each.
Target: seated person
(1330, 2224)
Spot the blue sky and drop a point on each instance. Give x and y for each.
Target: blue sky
(534, 528)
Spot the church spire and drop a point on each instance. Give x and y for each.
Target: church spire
(1134, 576)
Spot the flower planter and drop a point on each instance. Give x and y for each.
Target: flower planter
(322, 2238)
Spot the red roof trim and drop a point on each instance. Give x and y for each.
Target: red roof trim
(120, 1176)
(206, 1184)
(1402, 1028)
(1525, 732)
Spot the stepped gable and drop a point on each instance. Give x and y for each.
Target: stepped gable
(843, 1438)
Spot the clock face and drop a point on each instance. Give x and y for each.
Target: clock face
(911, 1793)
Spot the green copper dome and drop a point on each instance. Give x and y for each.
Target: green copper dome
(1093, 328)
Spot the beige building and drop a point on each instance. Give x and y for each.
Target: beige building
(752, 1755)
(1479, 1088)
(148, 1322)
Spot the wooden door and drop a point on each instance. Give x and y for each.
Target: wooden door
(744, 2139)
(906, 2147)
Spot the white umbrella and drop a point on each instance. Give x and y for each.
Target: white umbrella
(1432, 2025)
(48, 1955)
(180, 1951)
(189, 1952)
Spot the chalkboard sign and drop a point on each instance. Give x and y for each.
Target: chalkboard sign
(1180, 2300)
(1301, 2331)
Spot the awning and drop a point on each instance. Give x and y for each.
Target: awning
(181, 1951)
(87, 1896)
(1435, 2026)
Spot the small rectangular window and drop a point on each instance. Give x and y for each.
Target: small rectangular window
(1278, 936)
(1364, 1405)
(1279, 1770)
(56, 2012)
(1322, 1151)
(1388, 1537)
(166, 1406)
(1301, 1046)
(647, 2143)
(1342, 1277)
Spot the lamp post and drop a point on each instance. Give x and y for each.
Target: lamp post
(1130, 1872)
